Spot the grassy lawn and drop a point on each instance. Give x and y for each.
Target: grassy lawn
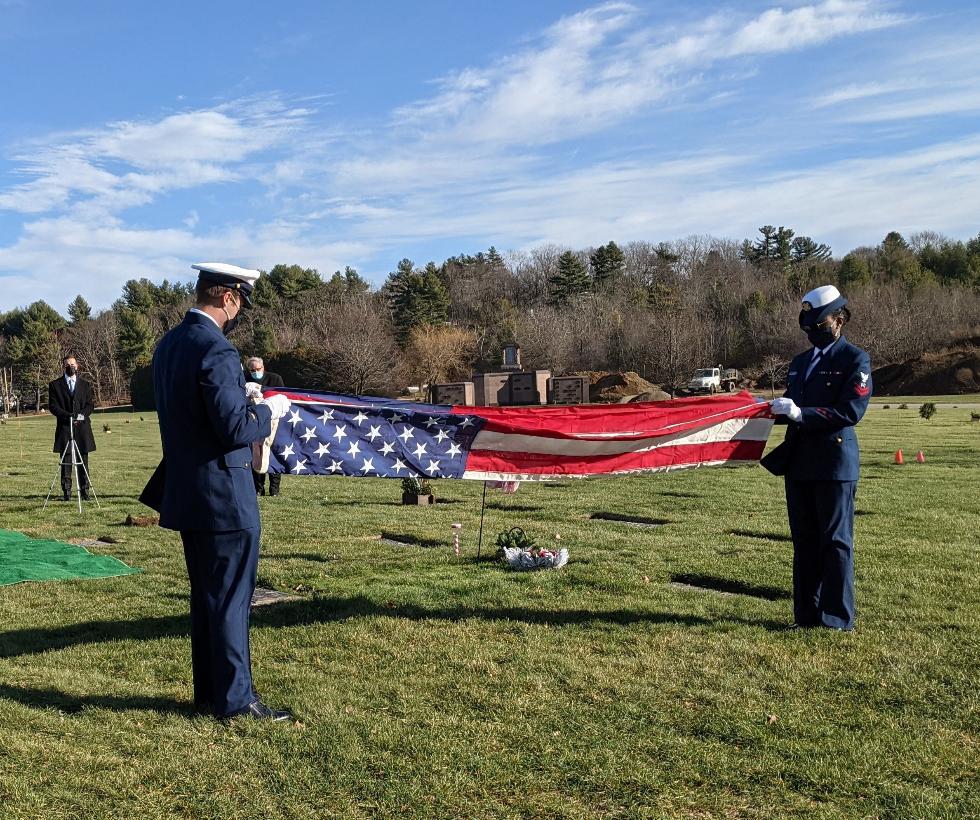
(651, 677)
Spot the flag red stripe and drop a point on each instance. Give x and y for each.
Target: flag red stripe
(495, 461)
(621, 421)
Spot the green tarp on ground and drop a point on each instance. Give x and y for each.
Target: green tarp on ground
(38, 559)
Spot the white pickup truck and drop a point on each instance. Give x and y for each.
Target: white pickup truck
(713, 380)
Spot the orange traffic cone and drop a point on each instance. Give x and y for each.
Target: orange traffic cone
(920, 457)
(899, 459)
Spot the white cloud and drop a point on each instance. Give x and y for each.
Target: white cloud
(781, 30)
(593, 69)
(130, 163)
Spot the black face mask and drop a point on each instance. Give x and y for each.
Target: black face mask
(70, 370)
(821, 337)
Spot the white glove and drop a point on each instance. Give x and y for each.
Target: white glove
(786, 407)
(253, 392)
(278, 404)
(79, 417)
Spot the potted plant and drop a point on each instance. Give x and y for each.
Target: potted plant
(417, 490)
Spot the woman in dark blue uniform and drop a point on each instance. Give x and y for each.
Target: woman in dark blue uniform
(827, 393)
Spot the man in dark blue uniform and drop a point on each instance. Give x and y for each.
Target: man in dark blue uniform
(203, 487)
(827, 392)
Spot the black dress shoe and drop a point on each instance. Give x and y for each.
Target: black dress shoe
(84, 495)
(66, 497)
(257, 710)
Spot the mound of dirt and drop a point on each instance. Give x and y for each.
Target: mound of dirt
(652, 395)
(932, 374)
(613, 387)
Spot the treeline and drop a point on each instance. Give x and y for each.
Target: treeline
(659, 309)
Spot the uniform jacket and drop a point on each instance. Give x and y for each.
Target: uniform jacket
(205, 479)
(65, 406)
(268, 380)
(824, 445)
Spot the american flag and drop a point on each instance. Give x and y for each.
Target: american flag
(333, 434)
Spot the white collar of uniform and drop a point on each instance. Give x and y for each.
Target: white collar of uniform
(195, 310)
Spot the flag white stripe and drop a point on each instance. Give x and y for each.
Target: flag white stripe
(729, 430)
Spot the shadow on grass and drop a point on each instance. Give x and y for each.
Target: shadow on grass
(55, 699)
(405, 540)
(714, 583)
(332, 609)
(56, 496)
(765, 536)
(297, 556)
(516, 508)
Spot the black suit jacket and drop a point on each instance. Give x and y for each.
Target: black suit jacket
(269, 379)
(65, 407)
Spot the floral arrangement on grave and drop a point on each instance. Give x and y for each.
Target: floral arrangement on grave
(521, 552)
(417, 490)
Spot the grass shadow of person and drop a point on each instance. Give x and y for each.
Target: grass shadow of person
(326, 609)
(73, 704)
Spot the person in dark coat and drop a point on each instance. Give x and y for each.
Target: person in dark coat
(264, 378)
(827, 392)
(70, 402)
(203, 487)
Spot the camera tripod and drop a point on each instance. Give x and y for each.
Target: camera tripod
(71, 451)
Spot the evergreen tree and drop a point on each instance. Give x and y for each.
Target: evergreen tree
(494, 260)
(608, 263)
(803, 249)
(898, 261)
(263, 340)
(139, 295)
(763, 249)
(570, 280)
(415, 298)
(79, 311)
(34, 352)
(134, 346)
(950, 263)
(784, 246)
(264, 294)
(853, 270)
(346, 286)
(291, 280)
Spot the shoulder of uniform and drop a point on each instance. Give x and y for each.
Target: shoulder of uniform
(855, 351)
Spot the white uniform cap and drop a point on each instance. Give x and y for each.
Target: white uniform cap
(824, 295)
(244, 275)
(229, 276)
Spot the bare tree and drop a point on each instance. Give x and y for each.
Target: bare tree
(439, 353)
(360, 353)
(774, 369)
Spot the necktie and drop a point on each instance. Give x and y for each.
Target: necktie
(71, 386)
(813, 364)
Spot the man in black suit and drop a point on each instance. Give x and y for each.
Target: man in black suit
(264, 378)
(70, 402)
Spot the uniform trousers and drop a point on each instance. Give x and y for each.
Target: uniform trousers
(222, 569)
(68, 471)
(821, 520)
(259, 480)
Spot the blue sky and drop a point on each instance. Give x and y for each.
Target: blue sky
(139, 138)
